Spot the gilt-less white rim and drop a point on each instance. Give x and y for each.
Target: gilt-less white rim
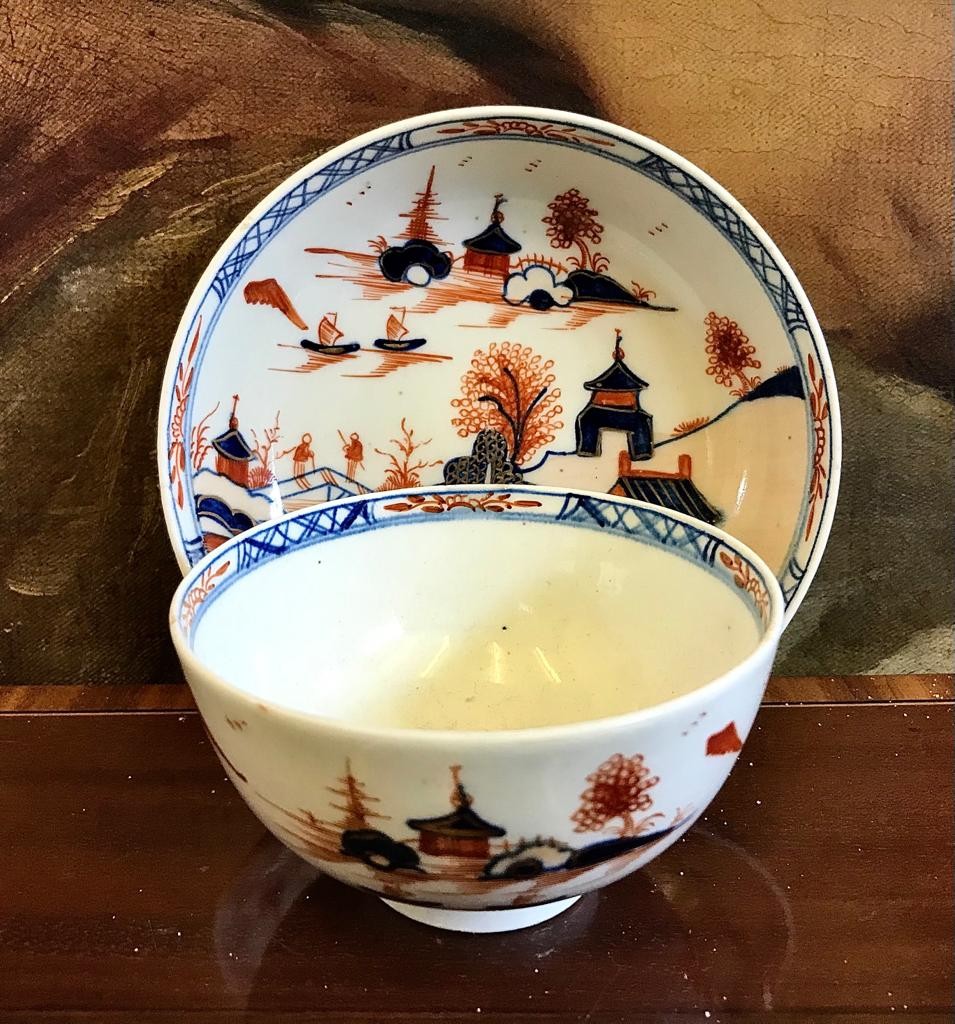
(517, 112)
(590, 729)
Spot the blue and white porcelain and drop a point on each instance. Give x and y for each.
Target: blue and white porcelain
(479, 703)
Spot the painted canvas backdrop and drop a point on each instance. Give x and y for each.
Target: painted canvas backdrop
(125, 173)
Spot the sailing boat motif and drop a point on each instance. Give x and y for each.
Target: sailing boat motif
(397, 339)
(328, 335)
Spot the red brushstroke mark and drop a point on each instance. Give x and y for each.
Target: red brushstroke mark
(224, 756)
(270, 293)
(726, 741)
(392, 361)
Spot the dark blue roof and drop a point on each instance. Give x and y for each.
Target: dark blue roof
(680, 494)
(461, 823)
(493, 239)
(232, 445)
(618, 377)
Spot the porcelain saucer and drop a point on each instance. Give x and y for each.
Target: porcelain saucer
(501, 296)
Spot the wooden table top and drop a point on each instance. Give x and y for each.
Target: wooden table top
(136, 886)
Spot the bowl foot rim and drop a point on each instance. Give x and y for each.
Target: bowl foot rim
(483, 921)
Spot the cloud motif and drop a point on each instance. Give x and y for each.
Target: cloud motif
(417, 262)
(538, 287)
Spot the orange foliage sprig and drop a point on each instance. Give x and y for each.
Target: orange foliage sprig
(177, 442)
(402, 472)
(203, 588)
(819, 408)
(746, 579)
(436, 503)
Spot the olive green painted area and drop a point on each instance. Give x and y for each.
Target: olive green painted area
(133, 139)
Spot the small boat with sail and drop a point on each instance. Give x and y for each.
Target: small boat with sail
(328, 336)
(397, 339)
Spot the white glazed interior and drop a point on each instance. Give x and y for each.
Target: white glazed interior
(482, 624)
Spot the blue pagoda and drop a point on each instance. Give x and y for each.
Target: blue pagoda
(615, 405)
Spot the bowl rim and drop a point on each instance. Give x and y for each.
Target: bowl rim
(516, 111)
(588, 728)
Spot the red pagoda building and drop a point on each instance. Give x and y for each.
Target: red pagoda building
(461, 833)
(233, 453)
(489, 253)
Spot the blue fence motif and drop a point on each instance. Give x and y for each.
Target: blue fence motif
(292, 533)
(650, 525)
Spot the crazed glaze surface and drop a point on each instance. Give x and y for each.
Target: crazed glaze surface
(440, 301)
(472, 820)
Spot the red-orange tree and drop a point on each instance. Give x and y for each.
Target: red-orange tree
(731, 354)
(573, 221)
(355, 807)
(509, 388)
(618, 789)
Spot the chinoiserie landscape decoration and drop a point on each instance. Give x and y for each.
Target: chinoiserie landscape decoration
(498, 300)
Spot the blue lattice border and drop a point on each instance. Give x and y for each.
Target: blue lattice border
(648, 524)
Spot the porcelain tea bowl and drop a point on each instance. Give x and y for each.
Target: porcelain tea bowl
(478, 703)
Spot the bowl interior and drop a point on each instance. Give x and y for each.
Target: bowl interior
(472, 620)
